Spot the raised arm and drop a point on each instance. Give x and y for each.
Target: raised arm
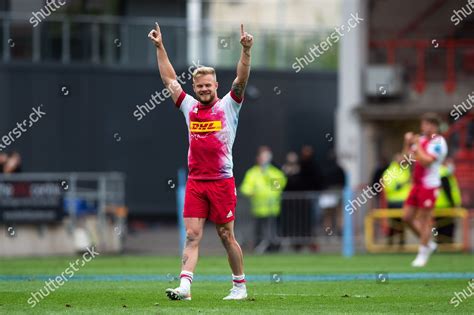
(167, 73)
(243, 66)
(421, 156)
(408, 141)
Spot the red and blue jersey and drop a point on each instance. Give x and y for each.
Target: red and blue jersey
(212, 129)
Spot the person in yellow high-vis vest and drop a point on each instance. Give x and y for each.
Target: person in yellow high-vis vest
(263, 184)
(397, 182)
(449, 197)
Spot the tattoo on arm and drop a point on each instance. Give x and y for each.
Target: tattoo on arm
(238, 88)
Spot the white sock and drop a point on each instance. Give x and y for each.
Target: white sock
(423, 250)
(238, 281)
(186, 280)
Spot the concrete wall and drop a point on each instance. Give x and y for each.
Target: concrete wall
(59, 239)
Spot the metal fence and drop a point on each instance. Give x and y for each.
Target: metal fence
(305, 218)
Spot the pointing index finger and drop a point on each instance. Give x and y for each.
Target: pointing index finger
(241, 30)
(157, 27)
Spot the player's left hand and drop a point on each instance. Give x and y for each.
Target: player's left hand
(246, 40)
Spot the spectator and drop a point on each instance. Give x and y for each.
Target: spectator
(298, 216)
(330, 201)
(334, 174)
(311, 176)
(13, 163)
(288, 221)
(397, 189)
(263, 184)
(291, 168)
(3, 160)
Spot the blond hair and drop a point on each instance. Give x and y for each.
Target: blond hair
(203, 71)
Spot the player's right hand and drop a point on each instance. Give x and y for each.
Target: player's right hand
(155, 36)
(409, 137)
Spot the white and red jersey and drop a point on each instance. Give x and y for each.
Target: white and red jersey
(212, 130)
(428, 176)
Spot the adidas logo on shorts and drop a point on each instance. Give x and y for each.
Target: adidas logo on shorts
(230, 214)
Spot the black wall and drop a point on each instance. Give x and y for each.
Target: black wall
(282, 109)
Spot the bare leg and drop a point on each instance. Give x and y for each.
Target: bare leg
(194, 229)
(234, 252)
(425, 219)
(409, 216)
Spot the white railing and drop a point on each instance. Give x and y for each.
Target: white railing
(122, 42)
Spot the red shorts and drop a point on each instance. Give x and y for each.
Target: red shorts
(211, 199)
(422, 198)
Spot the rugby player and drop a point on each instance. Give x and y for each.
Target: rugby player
(430, 150)
(210, 189)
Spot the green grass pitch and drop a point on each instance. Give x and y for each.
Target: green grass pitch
(136, 294)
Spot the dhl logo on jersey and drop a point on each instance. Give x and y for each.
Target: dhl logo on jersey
(206, 126)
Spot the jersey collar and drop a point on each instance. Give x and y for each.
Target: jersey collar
(202, 106)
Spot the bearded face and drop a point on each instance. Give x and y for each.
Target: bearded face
(205, 88)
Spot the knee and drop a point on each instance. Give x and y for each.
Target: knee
(193, 236)
(425, 218)
(407, 217)
(226, 236)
